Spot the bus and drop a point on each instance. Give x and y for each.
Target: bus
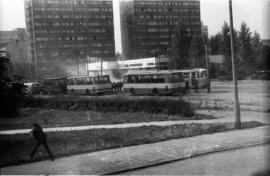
(54, 85)
(89, 85)
(162, 82)
(199, 74)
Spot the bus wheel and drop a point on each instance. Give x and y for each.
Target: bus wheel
(132, 91)
(155, 91)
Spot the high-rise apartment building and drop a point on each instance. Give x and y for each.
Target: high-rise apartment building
(64, 33)
(148, 26)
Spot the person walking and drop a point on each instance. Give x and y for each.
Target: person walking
(196, 85)
(187, 87)
(41, 139)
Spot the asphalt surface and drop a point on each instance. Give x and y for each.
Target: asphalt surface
(245, 161)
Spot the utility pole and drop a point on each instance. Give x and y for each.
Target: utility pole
(101, 65)
(236, 100)
(207, 68)
(87, 69)
(78, 66)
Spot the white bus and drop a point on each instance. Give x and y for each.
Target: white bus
(154, 82)
(85, 85)
(200, 74)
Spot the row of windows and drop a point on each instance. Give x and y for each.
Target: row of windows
(175, 10)
(155, 23)
(154, 43)
(194, 3)
(73, 16)
(73, 38)
(153, 78)
(89, 80)
(102, 52)
(71, 31)
(155, 29)
(165, 36)
(166, 10)
(69, 9)
(92, 45)
(72, 24)
(167, 16)
(73, 2)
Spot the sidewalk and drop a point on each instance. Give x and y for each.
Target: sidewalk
(222, 116)
(115, 160)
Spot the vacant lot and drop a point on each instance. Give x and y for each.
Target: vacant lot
(254, 95)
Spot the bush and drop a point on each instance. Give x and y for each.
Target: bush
(12, 95)
(114, 104)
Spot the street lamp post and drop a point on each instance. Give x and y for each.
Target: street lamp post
(207, 68)
(236, 100)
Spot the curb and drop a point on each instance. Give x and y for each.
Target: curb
(183, 158)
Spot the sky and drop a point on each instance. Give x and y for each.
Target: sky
(255, 13)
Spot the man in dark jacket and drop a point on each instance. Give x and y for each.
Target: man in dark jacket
(187, 86)
(40, 137)
(195, 83)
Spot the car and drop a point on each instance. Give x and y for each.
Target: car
(32, 88)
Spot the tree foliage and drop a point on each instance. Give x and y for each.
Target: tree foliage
(179, 51)
(247, 47)
(11, 90)
(196, 51)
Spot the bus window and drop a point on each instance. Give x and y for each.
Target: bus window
(71, 81)
(186, 75)
(92, 79)
(88, 81)
(193, 75)
(97, 80)
(204, 74)
(158, 78)
(126, 79)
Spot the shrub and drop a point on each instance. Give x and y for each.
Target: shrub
(114, 104)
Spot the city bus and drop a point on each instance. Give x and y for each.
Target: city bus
(89, 85)
(199, 74)
(56, 85)
(162, 82)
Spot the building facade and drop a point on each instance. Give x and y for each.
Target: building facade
(14, 42)
(64, 34)
(148, 26)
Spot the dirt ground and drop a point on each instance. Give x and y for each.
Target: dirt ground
(254, 95)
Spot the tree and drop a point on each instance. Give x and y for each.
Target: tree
(220, 44)
(215, 43)
(24, 69)
(263, 59)
(226, 45)
(11, 90)
(256, 48)
(245, 49)
(179, 51)
(196, 51)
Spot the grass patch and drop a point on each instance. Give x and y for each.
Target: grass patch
(119, 103)
(15, 149)
(63, 118)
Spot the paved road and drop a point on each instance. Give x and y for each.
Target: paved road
(245, 161)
